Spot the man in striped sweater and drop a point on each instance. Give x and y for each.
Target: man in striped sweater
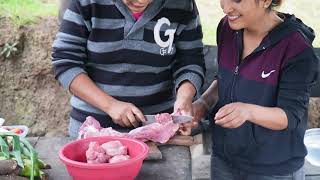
(124, 58)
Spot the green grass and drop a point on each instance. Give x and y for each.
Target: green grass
(210, 15)
(306, 10)
(27, 11)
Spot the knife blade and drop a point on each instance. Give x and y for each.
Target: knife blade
(181, 118)
(176, 119)
(149, 119)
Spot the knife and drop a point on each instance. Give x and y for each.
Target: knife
(176, 119)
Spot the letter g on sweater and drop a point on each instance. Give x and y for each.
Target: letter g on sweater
(166, 45)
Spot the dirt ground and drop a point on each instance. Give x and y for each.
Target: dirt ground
(30, 95)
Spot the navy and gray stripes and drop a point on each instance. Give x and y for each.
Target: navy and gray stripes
(102, 39)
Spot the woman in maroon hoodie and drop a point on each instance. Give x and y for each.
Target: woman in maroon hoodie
(266, 69)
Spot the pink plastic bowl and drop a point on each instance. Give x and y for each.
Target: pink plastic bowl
(74, 157)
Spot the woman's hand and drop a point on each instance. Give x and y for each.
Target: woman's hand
(199, 111)
(233, 115)
(125, 114)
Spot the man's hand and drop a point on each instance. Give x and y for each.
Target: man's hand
(183, 105)
(125, 114)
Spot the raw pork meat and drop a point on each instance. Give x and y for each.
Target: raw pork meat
(111, 132)
(160, 131)
(163, 118)
(119, 158)
(112, 152)
(92, 128)
(114, 148)
(96, 154)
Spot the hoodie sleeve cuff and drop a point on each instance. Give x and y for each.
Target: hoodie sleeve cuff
(67, 77)
(193, 78)
(292, 120)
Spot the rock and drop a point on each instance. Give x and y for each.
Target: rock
(9, 167)
(12, 177)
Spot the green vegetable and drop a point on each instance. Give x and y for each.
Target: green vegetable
(4, 148)
(22, 152)
(16, 151)
(2, 157)
(25, 151)
(33, 157)
(27, 170)
(43, 165)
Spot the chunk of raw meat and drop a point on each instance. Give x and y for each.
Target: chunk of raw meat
(111, 132)
(96, 154)
(155, 132)
(160, 131)
(163, 118)
(119, 158)
(113, 148)
(90, 128)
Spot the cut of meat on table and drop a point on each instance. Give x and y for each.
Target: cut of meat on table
(155, 132)
(163, 118)
(111, 132)
(92, 128)
(160, 131)
(114, 148)
(119, 158)
(96, 154)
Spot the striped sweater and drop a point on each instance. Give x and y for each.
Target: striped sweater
(141, 62)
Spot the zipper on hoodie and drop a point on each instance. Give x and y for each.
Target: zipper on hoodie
(235, 74)
(239, 46)
(241, 62)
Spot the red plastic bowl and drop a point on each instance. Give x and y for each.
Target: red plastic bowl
(74, 157)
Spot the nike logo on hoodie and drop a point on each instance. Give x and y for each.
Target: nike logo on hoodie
(265, 75)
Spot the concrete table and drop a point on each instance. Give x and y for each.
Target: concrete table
(175, 165)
